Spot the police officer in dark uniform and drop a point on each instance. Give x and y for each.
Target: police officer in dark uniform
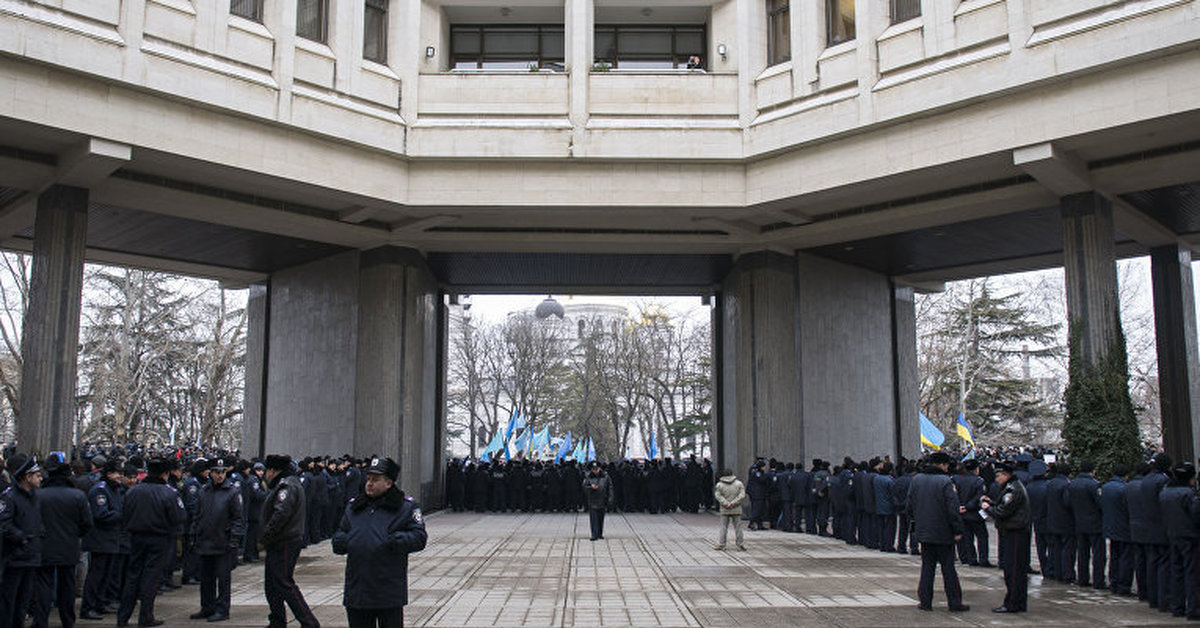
(1084, 493)
(1114, 511)
(254, 493)
(67, 517)
(21, 521)
(378, 531)
(151, 513)
(973, 549)
(934, 508)
(190, 490)
(1060, 523)
(283, 532)
(1013, 519)
(218, 530)
(758, 489)
(103, 541)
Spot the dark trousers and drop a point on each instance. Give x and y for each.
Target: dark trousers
(1042, 543)
(1062, 556)
(1014, 560)
(191, 561)
(16, 594)
(147, 557)
(976, 539)
(1140, 572)
(822, 507)
(170, 561)
(933, 555)
(215, 578)
(1158, 575)
(887, 532)
(785, 521)
(375, 617)
(280, 588)
(867, 533)
(115, 587)
(596, 518)
(908, 540)
(1120, 567)
(1181, 596)
(800, 517)
(251, 540)
(1090, 548)
(758, 513)
(56, 585)
(101, 571)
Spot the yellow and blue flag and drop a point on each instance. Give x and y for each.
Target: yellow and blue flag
(931, 436)
(964, 431)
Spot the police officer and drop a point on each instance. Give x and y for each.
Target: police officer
(67, 517)
(283, 520)
(1013, 520)
(103, 541)
(934, 508)
(758, 489)
(1177, 501)
(190, 489)
(973, 549)
(254, 493)
(1060, 523)
(378, 531)
(21, 521)
(1084, 492)
(151, 513)
(218, 530)
(1114, 511)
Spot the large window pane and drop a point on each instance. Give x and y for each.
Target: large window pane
(508, 42)
(249, 9)
(779, 32)
(506, 47)
(375, 31)
(904, 10)
(311, 18)
(839, 16)
(649, 47)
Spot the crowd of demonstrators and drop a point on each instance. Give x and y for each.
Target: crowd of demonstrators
(651, 486)
(137, 515)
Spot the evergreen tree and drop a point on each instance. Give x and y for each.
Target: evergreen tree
(1100, 425)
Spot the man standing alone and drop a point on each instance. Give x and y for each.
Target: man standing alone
(598, 491)
(378, 531)
(283, 531)
(934, 508)
(730, 495)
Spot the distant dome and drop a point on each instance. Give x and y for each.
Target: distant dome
(549, 308)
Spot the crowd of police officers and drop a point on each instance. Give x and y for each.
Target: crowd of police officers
(140, 519)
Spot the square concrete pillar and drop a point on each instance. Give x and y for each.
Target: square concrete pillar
(1175, 336)
(50, 336)
(904, 369)
(1091, 273)
(254, 405)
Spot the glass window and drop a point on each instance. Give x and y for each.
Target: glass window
(839, 18)
(779, 32)
(904, 10)
(375, 31)
(249, 9)
(312, 19)
(507, 47)
(649, 47)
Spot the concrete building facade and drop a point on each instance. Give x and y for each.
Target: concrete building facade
(358, 159)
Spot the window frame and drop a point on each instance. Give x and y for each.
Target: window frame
(678, 58)
(323, 21)
(904, 10)
(380, 32)
(255, 14)
(776, 54)
(538, 56)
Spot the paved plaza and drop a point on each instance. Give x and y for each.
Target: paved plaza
(660, 570)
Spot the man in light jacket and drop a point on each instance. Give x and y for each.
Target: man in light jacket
(730, 495)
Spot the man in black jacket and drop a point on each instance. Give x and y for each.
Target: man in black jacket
(217, 530)
(67, 517)
(103, 541)
(21, 521)
(378, 531)
(934, 508)
(1013, 518)
(283, 532)
(1084, 494)
(151, 513)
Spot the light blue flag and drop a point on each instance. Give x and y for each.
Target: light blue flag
(522, 443)
(577, 454)
(496, 445)
(591, 451)
(653, 446)
(931, 436)
(541, 439)
(563, 449)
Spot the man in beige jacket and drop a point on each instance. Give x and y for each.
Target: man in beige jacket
(730, 494)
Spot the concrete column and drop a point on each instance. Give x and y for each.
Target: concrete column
(1175, 335)
(904, 371)
(1091, 273)
(254, 405)
(397, 366)
(50, 337)
(760, 379)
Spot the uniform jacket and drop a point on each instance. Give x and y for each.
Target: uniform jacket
(21, 521)
(883, 494)
(933, 506)
(800, 484)
(219, 525)
(1115, 510)
(1036, 491)
(1011, 510)
(758, 484)
(602, 496)
(190, 491)
(1147, 504)
(377, 535)
(730, 495)
(66, 516)
(104, 501)
(152, 508)
(1059, 519)
(1084, 494)
(900, 492)
(1176, 503)
(284, 511)
(253, 496)
(970, 492)
(1138, 523)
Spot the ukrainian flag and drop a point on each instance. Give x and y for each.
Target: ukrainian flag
(964, 431)
(931, 436)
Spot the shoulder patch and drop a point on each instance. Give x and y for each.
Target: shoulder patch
(416, 515)
(179, 502)
(282, 494)
(3, 505)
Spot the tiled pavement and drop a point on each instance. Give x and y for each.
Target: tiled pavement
(659, 570)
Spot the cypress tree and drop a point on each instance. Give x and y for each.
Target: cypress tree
(1100, 424)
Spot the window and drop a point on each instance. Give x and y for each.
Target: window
(312, 19)
(375, 31)
(249, 9)
(649, 47)
(779, 32)
(904, 10)
(507, 47)
(839, 21)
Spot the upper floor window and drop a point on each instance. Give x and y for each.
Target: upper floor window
(375, 30)
(312, 19)
(839, 21)
(249, 9)
(492, 47)
(904, 10)
(640, 47)
(779, 32)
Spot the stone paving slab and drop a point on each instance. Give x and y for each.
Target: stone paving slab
(660, 571)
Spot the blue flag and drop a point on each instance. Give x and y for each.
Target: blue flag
(964, 430)
(653, 446)
(563, 449)
(931, 436)
(496, 445)
(591, 450)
